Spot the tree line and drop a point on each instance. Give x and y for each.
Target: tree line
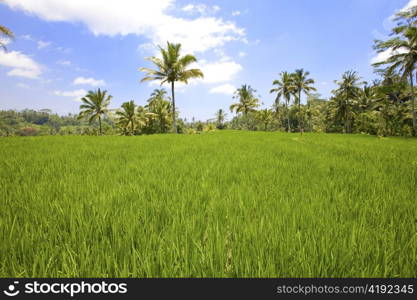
(385, 106)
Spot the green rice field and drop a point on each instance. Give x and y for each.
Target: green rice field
(222, 204)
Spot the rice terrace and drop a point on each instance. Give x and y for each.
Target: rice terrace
(215, 205)
(203, 140)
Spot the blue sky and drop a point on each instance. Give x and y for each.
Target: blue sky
(64, 48)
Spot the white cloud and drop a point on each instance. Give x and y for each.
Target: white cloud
(23, 85)
(75, 94)
(242, 54)
(200, 8)
(226, 89)
(21, 64)
(27, 37)
(42, 44)
(384, 55)
(214, 72)
(4, 41)
(409, 5)
(221, 71)
(88, 81)
(236, 13)
(141, 17)
(64, 62)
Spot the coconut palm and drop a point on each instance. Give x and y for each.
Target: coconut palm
(403, 58)
(172, 68)
(157, 96)
(345, 98)
(284, 89)
(127, 118)
(265, 116)
(366, 97)
(160, 106)
(247, 100)
(5, 33)
(301, 84)
(95, 106)
(220, 117)
(162, 112)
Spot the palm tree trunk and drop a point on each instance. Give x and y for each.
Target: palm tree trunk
(299, 112)
(288, 116)
(174, 121)
(413, 107)
(99, 123)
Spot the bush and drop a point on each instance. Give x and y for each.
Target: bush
(28, 131)
(190, 131)
(209, 128)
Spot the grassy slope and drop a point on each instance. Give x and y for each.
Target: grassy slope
(223, 204)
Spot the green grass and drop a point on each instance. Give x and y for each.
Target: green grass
(226, 204)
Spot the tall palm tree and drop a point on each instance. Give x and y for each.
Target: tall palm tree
(5, 33)
(172, 68)
(302, 84)
(220, 118)
(284, 89)
(345, 98)
(247, 100)
(95, 106)
(265, 116)
(403, 58)
(127, 118)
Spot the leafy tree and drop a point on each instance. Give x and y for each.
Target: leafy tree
(344, 100)
(5, 33)
(172, 68)
(284, 90)
(95, 106)
(220, 118)
(403, 52)
(160, 108)
(127, 118)
(247, 100)
(301, 84)
(265, 117)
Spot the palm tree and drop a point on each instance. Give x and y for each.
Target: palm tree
(94, 106)
(160, 107)
(403, 58)
(302, 84)
(156, 96)
(247, 100)
(345, 98)
(127, 118)
(5, 33)
(365, 98)
(220, 117)
(172, 68)
(265, 116)
(284, 89)
(162, 112)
